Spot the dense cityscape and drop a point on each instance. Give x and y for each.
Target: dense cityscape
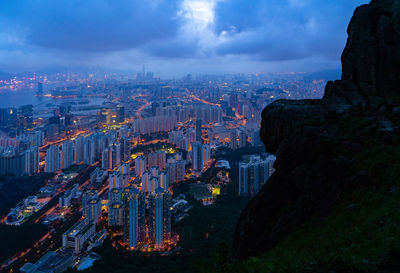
(113, 153)
(199, 136)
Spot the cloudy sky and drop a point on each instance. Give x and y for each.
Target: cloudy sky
(174, 37)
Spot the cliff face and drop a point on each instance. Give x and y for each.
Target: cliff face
(317, 141)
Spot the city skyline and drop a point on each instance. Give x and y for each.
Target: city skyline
(199, 136)
(174, 38)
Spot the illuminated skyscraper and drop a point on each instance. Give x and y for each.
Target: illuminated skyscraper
(116, 214)
(134, 222)
(89, 150)
(32, 160)
(79, 149)
(105, 159)
(105, 115)
(160, 217)
(206, 154)
(254, 174)
(115, 195)
(52, 159)
(145, 182)
(87, 196)
(125, 147)
(197, 156)
(67, 154)
(140, 165)
(91, 205)
(125, 168)
(116, 180)
(163, 180)
(94, 210)
(176, 170)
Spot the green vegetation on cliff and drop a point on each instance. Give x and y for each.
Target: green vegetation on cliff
(362, 232)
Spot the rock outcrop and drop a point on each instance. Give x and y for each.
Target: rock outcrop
(315, 156)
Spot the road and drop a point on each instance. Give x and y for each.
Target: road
(204, 101)
(138, 113)
(240, 118)
(60, 192)
(23, 253)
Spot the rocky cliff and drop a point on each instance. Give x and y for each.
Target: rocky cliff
(318, 142)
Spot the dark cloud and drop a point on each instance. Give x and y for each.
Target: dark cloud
(111, 32)
(285, 30)
(92, 25)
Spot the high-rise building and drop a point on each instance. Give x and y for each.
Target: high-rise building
(12, 162)
(125, 146)
(198, 130)
(115, 195)
(154, 183)
(120, 114)
(140, 165)
(52, 159)
(79, 149)
(8, 117)
(67, 154)
(197, 156)
(116, 214)
(145, 182)
(32, 160)
(89, 150)
(105, 115)
(105, 159)
(206, 154)
(115, 155)
(176, 170)
(111, 157)
(91, 205)
(25, 116)
(94, 210)
(134, 222)
(163, 180)
(254, 174)
(160, 217)
(154, 107)
(116, 180)
(154, 171)
(155, 124)
(125, 168)
(157, 159)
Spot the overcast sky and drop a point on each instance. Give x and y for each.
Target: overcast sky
(173, 38)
